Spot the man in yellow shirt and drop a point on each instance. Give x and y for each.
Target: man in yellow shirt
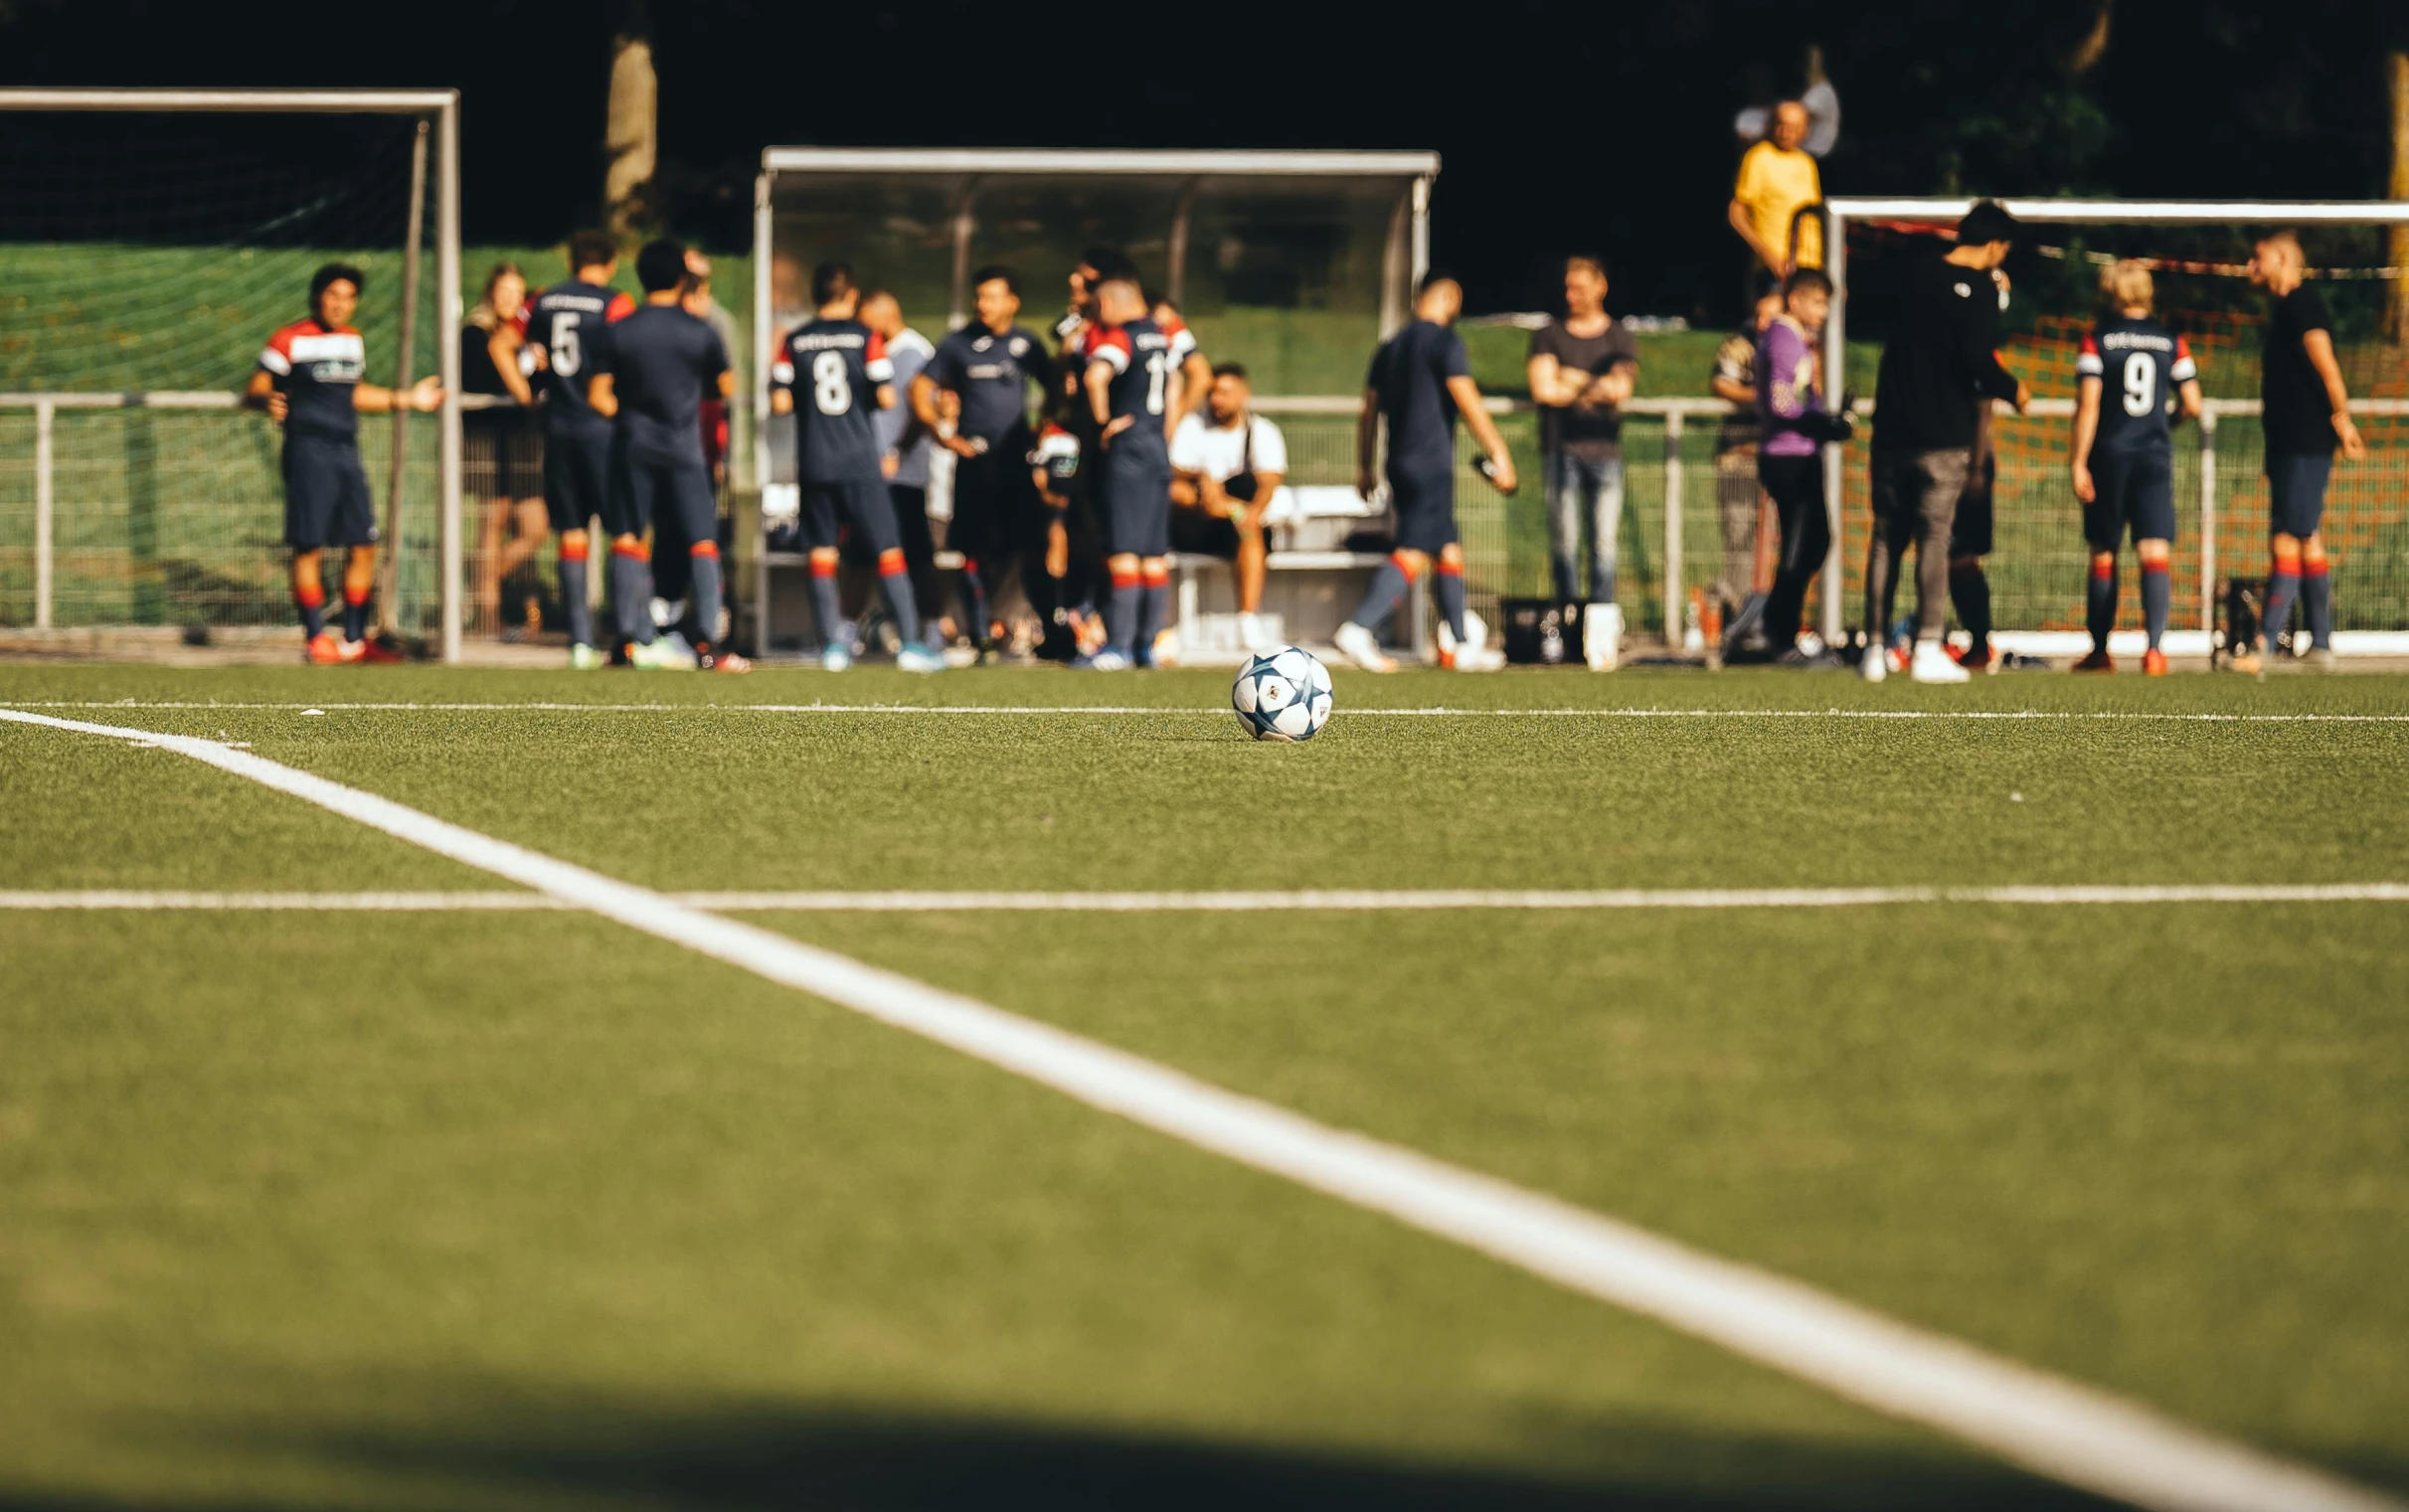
(1777, 178)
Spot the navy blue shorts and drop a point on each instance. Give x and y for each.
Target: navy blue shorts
(576, 475)
(642, 489)
(1426, 509)
(326, 499)
(2132, 489)
(2296, 490)
(1138, 501)
(866, 506)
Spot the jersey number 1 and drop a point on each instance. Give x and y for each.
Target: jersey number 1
(1158, 368)
(830, 390)
(2140, 384)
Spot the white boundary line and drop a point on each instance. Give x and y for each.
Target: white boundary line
(1190, 710)
(1333, 899)
(2075, 1433)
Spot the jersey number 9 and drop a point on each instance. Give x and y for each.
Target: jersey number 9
(2140, 384)
(830, 390)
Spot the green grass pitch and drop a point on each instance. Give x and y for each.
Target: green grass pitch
(485, 1210)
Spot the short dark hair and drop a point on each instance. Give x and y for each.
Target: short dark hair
(332, 273)
(661, 264)
(1590, 261)
(1804, 277)
(995, 273)
(1237, 370)
(1108, 263)
(831, 281)
(1986, 222)
(591, 249)
(1155, 296)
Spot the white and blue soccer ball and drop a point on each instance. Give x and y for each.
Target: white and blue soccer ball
(1283, 695)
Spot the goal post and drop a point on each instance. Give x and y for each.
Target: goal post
(2215, 474)
(56, 393)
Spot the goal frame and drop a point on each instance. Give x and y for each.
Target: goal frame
(1838, 212)
(443, 107)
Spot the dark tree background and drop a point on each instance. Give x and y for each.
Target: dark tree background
(1600, 126)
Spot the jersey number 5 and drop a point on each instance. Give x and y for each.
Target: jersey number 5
(2140, 384)
(1158, 368)
(566, 356)
(830, 390)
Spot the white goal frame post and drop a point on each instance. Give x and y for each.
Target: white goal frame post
(968, 174)
(442, 109)
(1944, 211)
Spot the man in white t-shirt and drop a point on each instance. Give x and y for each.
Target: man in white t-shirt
(1226, 463)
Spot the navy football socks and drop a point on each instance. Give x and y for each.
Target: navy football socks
(1449, 589)
(2156, 594)
(824, 610)
(573, 598)
(631, 595)
(1120, 617)
(2102, 607)
(703, 591)
(1388, 586)
(2317, 603)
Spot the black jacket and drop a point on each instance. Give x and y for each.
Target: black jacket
(1941, 363)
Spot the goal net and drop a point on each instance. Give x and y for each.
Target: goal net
(149, 244)
(2198, 259)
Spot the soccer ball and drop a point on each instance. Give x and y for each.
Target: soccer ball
(1283, 695)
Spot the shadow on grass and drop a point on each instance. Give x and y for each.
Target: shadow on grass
(845, 1459)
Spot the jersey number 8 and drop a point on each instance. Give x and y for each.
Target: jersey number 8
(830, 390)
(2140, 384)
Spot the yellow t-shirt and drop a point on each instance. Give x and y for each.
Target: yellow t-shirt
(1773, 185)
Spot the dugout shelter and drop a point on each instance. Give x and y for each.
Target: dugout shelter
(1296, 263)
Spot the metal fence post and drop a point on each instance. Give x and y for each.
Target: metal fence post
(1673, 529)
(2208, 414)
(46, 413)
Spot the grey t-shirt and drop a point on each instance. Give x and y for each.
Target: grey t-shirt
(1593, 435)
(910, 351)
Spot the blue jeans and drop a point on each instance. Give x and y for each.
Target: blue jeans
(1577, 487)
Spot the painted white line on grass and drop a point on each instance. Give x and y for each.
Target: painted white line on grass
(1442, 712)
(2075, 1433)
(340, 902)
(1336, 900)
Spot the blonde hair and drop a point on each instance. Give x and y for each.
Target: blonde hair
(2126, 284)
(1583, 263)
(484, 316)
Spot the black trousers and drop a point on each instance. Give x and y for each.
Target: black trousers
(1797, 484)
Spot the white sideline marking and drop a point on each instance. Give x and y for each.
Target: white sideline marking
(1330, 899)
(2067, 715)
(367, 903)
(2075, 1433)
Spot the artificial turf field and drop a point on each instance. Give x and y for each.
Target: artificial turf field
(504, 1209)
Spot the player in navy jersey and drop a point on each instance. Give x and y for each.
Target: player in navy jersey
(649, 374)
(832, 374)
(1130, 365)
(2130, 378)
(1421, 378)
(563, 323)
(975, 395)
(308, 380)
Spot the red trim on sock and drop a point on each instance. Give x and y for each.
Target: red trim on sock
(1445, 571)
(309, 598)
(2102, 571)
(633, 550)
(891, 562)
(354, 597)
(1121, 579)
(1155, 576)
(1405, 564)
(822, 569)
(2158, 567)
(573, 553)
(2315, 567)
(704, 548)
